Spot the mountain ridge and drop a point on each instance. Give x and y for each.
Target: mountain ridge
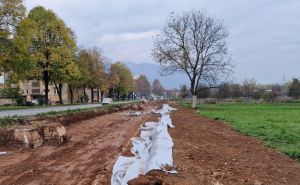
(151, 71)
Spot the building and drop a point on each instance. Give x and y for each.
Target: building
(34, 89)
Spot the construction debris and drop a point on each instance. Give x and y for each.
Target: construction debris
(135, 113)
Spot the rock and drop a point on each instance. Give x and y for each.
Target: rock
(140, 107)
(55, 133)
(256, 182)
(218, 175)
(28, 136)
(135, 113)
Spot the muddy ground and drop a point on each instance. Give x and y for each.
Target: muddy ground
(205, 152)
(87, 158)
(210, 152)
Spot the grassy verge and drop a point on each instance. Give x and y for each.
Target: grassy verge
(12, 120)
(278, 125)
(19, 107)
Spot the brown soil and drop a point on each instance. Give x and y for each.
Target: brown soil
(87, 158)
(205, 152)
(210, 152)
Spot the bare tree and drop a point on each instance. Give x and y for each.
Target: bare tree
(143, 87)
(157, 88)
(195, 44)
(249, 87)
(184, 91)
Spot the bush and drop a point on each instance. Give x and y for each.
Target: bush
(20, 100)
(41, 100)
(210, 100)
(268, 96)
(285, 99)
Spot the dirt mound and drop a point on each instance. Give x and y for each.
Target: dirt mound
(7, 138)
(143, 180)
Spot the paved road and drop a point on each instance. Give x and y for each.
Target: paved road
(34, 111)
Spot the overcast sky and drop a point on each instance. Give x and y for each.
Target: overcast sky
(264, 34)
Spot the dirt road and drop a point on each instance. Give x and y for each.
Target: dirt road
(87, 159)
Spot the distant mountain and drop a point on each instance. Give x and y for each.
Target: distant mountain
(151, 71)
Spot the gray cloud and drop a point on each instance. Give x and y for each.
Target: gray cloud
(264, 37)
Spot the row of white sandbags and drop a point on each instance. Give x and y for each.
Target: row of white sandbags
(152, 150)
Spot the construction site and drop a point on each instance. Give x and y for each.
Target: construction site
(83, 148)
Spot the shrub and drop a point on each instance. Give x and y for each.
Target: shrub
(20, 100)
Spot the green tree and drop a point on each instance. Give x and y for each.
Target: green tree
(48, 42)
(66, 72)
(96, 68)
(73, 79)
(11, 13)
(82, 61)
(121, 80)
(91, 66)
(11, 90)
(294, 88)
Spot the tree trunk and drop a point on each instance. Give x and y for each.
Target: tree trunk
(118, 94)
(46, 83)
(102, 94)
(71, 93)
(98, 95)
(194, 103)
(60, 86)
(84, 94)
(92, 95)
(59, 92)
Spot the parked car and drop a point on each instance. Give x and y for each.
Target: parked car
(107, 101)
(35, 102)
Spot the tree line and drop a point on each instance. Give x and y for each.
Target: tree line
(39, 45)
(249, 89)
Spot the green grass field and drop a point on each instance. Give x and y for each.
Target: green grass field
(276, 124)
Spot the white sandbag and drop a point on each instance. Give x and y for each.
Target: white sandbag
(3, 153)
(165, 119)
(152, 150)
(125, 169)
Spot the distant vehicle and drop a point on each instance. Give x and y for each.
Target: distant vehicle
(160, 97)
(107, 101)
(35, 102)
